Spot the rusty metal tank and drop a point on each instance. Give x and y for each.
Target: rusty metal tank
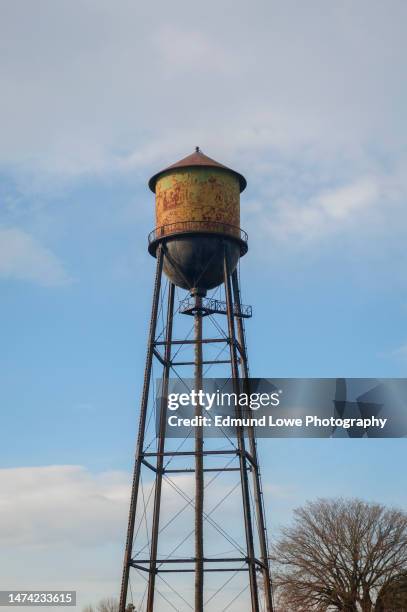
(198, 219)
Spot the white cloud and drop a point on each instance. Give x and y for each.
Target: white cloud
(339, 204)
(69, 504)
(22, 257)
(68, 527)
(295, 77)
(306, 220)
(305, 100)
(61, 504)
(68, 524)
(183, 50)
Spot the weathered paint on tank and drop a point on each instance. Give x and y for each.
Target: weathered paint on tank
(205, 195)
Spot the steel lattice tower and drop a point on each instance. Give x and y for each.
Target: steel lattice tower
(197, 244)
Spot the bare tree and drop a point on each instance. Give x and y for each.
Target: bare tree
(104, 605)
(108, 605)
(340, 554)
(393, 596)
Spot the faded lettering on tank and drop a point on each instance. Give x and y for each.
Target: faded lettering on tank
(205, 195)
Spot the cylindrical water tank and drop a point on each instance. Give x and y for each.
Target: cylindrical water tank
(198, 219)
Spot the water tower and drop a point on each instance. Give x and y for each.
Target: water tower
(197, 243)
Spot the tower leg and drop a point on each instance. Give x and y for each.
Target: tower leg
(141, 431)
(240, 375)
(199, 475)
(253, 451)
(160, 451)
(241, 441)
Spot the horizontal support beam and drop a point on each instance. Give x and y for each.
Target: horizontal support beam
(192, 470)
(205, 569)
(203, 341)
(192, 560)
(190, 570)
(205, 362)
(193, 454)
(136, 564)
(204, 453)
(190, 363)
(184, 561)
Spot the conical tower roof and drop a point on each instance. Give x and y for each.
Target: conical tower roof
(197, 158)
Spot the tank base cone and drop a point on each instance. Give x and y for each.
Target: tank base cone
(195, 261)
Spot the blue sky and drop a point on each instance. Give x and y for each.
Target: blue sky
(308, 102)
